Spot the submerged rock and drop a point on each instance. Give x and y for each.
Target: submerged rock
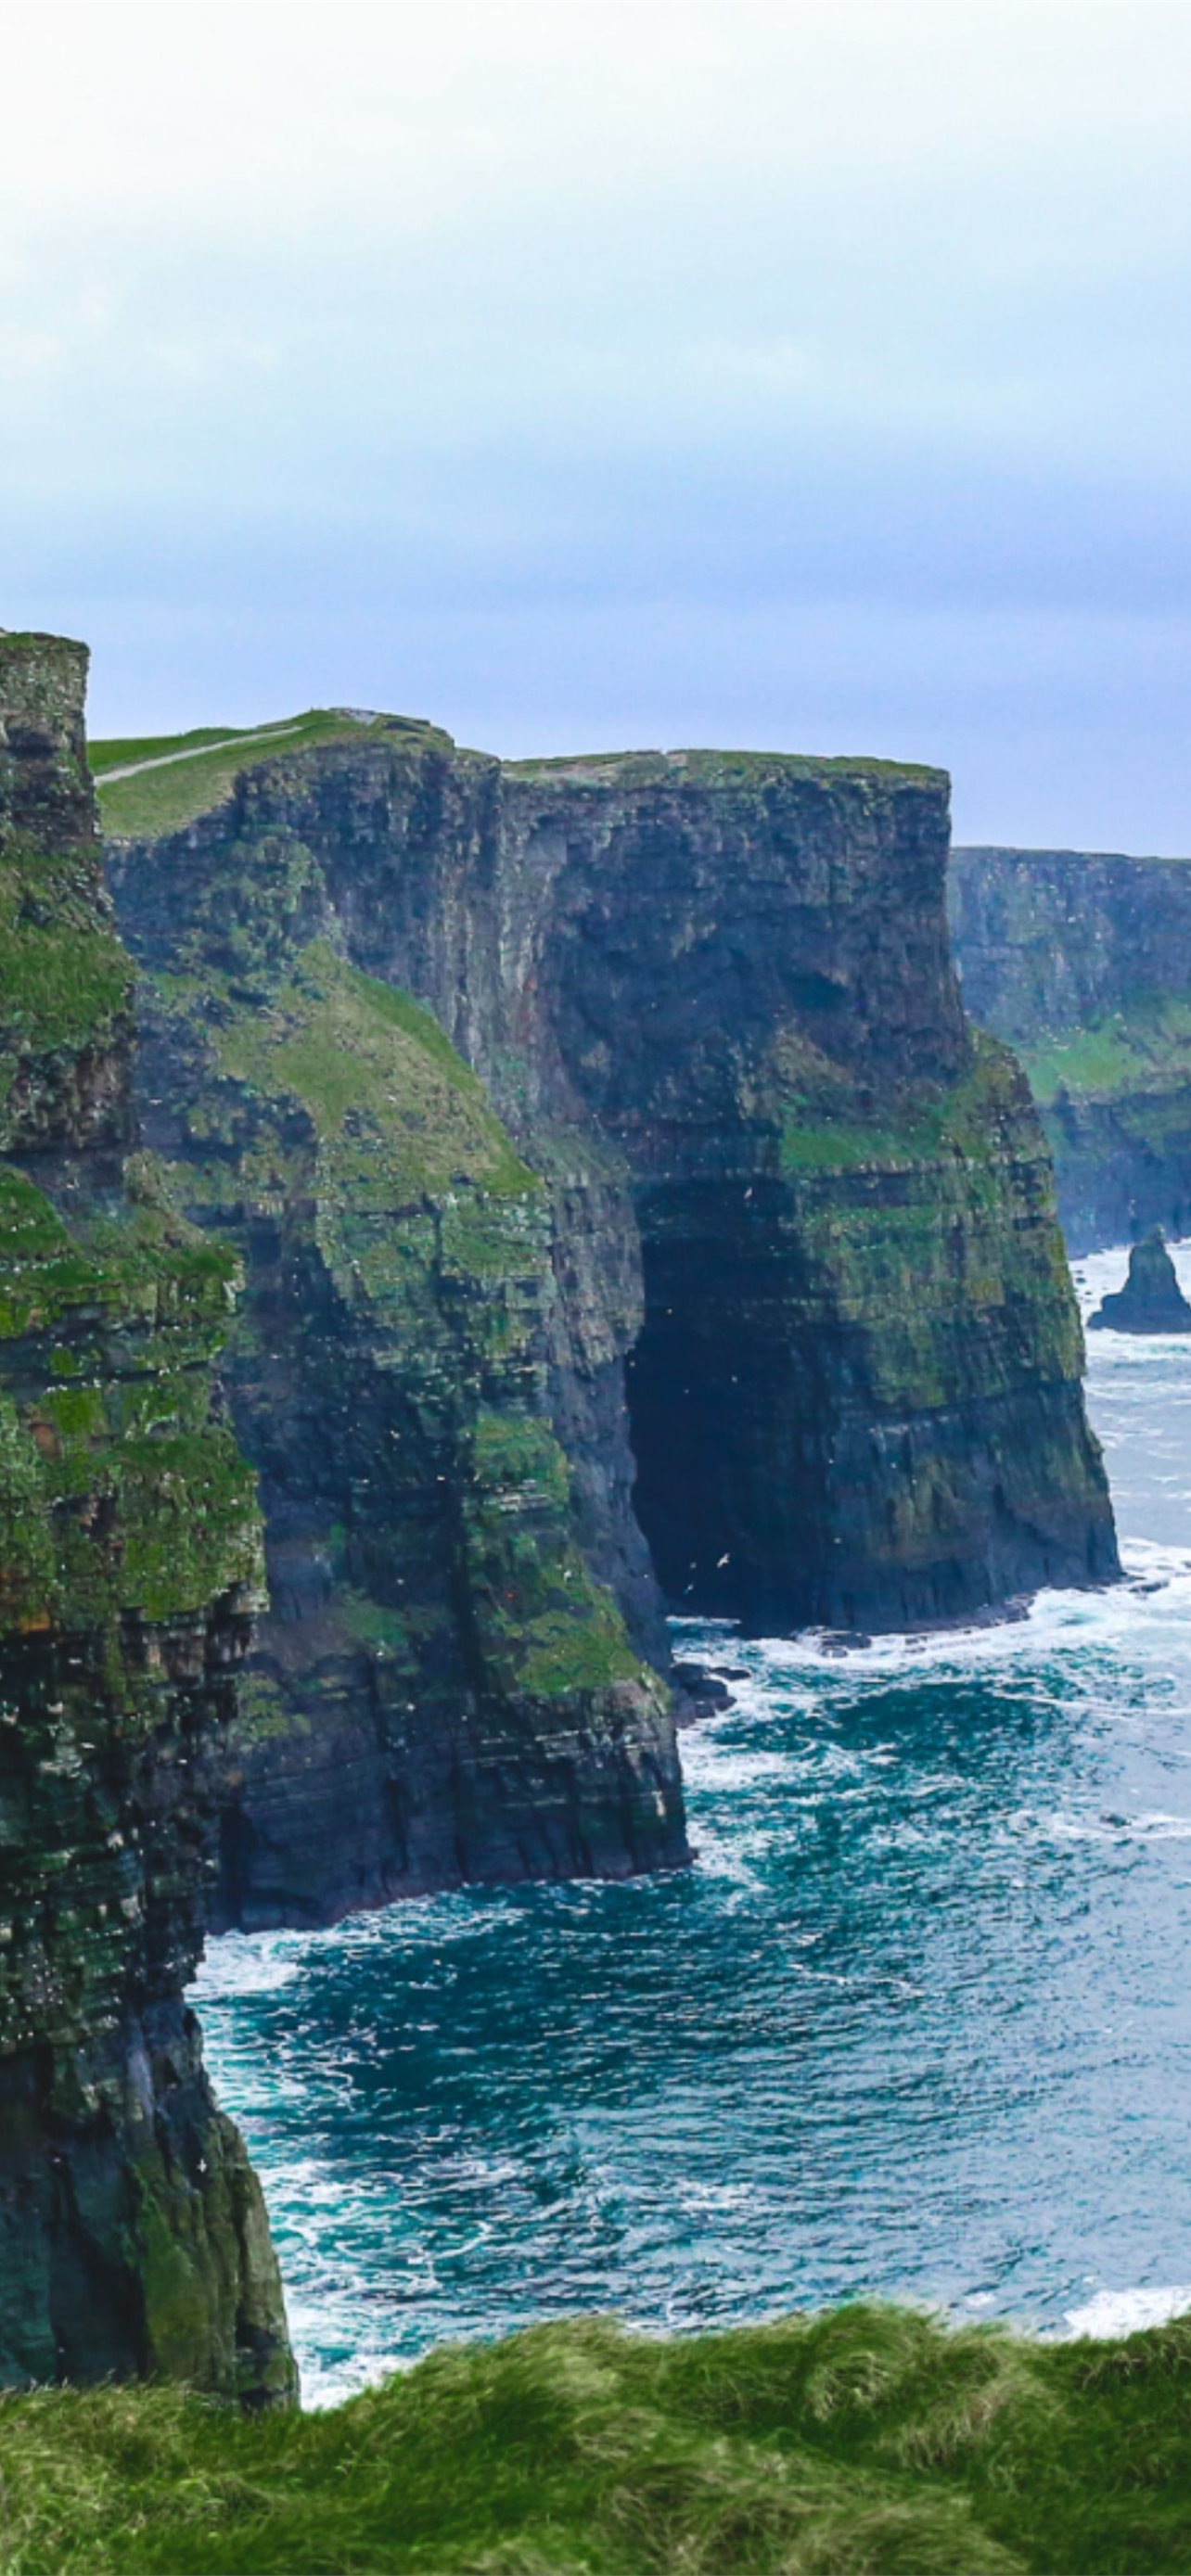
(1151, 1300)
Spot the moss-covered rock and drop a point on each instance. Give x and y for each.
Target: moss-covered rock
(132, 2231)
(442, 1688)
(1080, 961)
(64, 1042)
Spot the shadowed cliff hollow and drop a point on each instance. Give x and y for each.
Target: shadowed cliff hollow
(805, 1330)
(1082, 961)
(132, 2236)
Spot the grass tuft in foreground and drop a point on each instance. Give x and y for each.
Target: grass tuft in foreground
(864, 2441)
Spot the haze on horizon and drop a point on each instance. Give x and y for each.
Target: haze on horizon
(585, 376)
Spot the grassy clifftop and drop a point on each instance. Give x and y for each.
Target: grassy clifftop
(854, 2444)
(161, 782)
(155, 783)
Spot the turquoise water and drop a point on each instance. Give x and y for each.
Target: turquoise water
(918, 2022)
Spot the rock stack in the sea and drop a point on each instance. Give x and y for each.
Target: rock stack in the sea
(1151, 1300)
(132, 2234)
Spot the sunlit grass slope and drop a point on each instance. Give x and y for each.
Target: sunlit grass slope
(863, 2441)
(176, 776)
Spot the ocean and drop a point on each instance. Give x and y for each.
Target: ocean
(916, 2025)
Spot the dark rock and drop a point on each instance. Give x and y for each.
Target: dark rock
(1151, 1300)
(699, 1692)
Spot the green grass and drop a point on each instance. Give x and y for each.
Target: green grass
(868, 2442)
(157, 800)
(1138, 1049)
(393, 1105)
(66, 980)
(118, 1488)
(822, 1130)
(115, 753)
(712, 768)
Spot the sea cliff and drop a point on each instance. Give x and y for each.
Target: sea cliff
(132, 2231)
(1080, 961)
(443, 1688)
(515, 1200)
(810, 1347)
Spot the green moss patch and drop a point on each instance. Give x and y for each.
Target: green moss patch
(118, 1491)
(1143, 1047)
(67, 982)
(826, 1127)
(396, 1111)
(546, 1628)
(925, 1235)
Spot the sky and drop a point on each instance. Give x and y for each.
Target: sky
(587, 376)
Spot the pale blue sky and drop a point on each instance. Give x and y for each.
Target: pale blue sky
(583, 375)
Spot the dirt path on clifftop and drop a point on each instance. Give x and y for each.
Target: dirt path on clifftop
(197, 751)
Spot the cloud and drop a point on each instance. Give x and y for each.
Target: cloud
(576, 365)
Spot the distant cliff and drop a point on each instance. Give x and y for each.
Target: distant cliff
(1082, 961)
(132, 2233)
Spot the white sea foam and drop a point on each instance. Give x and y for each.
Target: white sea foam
(719, 1766)
(239, 1964)
(1123, 2312)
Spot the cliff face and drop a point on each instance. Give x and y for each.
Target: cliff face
(792, 1208)
(443, 1690)
(1081, 962)
(131, 2227)
(854, 1395)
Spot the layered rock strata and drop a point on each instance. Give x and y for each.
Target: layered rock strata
(443, 1689)
(1082, 962)
(810, 1333)
(132, 2235)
